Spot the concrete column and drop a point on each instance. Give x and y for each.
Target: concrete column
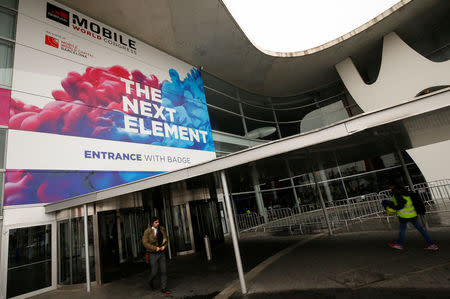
(258, 195)
(233, 233)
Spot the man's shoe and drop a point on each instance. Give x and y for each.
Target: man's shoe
(166, 291)
(432, 247)
(396, 246)
(150, 285)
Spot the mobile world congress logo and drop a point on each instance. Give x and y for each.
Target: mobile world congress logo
(51, 41)
(90, 29)
(57, 14)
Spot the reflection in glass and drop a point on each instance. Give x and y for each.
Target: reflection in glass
(2, 148)
(221, 101)
(72, 263)
(225, 121)
(261, 130)
(258, 113)
(180, 226)
(29, 259)
(7, 23)
(6, 62)
(9, 3)
(217, 84)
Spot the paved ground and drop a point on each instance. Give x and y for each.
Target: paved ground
(347, 265)
(358, 265)
(188, 276)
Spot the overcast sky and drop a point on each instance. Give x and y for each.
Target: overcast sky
(296, 25)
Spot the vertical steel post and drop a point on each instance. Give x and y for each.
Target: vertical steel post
(98, 273)
(167, 223)
(233, 233)
(405, 170)
(322, 203)
(86, 249)
(410, 183)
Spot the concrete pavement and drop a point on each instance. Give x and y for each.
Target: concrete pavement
(346, 265)
(358, 265)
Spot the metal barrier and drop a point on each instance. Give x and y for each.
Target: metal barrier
(310, 218)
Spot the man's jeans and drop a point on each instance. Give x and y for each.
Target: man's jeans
(158, 258)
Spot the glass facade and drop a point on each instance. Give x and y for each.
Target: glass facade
(29, 259)
(71, 251)
(336, 180)
(238, 112)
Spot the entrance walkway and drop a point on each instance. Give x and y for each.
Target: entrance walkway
(188, 276)
(347, 265)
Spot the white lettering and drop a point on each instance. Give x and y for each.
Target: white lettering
(139, 90)
(156, 95)
(128, 84)
(130, 123)
(157, 128)
(127, 104)
(146, 108)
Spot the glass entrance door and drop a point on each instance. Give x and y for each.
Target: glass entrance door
(71, 251)
(206, 222)
(182, 230)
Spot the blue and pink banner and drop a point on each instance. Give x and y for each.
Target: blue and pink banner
(92, 108)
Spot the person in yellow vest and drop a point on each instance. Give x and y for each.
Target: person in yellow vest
(403, 206)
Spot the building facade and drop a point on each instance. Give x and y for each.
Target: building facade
(85, 107)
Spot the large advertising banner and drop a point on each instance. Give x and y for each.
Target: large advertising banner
(92, 108)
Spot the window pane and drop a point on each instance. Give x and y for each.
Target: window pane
(293, 114)
(9, 3)
(289, 129)
(221, 101)
(29, 259)
(225, 122)
(258, 113)
(218, 84)
(7, 23)
(6, 61)
(253, 98)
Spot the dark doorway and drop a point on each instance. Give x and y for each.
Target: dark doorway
(206, 222)
(109, 246)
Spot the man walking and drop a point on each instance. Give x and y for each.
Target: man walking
(404, 208)
(155, 241)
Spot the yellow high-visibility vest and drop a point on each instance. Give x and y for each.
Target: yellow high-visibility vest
(408, 210)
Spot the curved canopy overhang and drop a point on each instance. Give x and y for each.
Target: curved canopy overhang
(204, 34)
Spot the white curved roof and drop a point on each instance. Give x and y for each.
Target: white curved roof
(203, 33)
(305, 27)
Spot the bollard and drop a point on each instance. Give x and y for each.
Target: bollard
(207, 248)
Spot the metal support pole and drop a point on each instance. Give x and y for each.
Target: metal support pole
(294, 191)
(167, 224)
(258, 196)
(410, 184)
(322, 203)
(98, 272)
(86, 249)
(233, 233)
(405, 170)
